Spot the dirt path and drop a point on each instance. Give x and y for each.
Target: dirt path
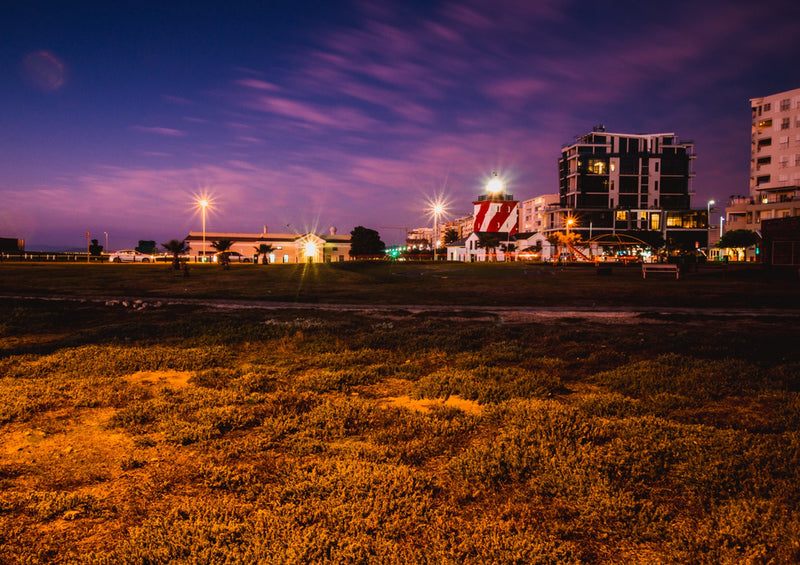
(598, 313)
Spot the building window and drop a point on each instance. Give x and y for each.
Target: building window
(597, 166)
(764, 179)
(764, 124)
(622, 215)
(763, 162)
(785, 123)
(785, 104)
(767, 107)
(655, 221)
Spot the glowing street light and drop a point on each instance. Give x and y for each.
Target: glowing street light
(437, 210)
(204, 204)
(708, 212)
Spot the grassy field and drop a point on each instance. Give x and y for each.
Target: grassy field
(503, 284)
(158, 432)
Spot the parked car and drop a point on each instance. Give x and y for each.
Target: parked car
(234, 257)
(129, 256)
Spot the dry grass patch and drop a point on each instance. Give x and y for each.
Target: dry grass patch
(172, 379)
(425, 405)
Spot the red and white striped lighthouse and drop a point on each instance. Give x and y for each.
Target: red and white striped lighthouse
(496, 211)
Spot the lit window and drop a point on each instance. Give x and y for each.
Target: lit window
(655, 221)
(597, 166)
(622, 214)
(763, 124)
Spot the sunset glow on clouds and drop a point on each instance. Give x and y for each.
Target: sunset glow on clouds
(356, 113)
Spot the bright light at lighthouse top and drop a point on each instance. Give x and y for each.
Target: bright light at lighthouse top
(495, 186)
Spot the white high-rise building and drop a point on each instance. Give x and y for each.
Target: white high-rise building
(774, 163)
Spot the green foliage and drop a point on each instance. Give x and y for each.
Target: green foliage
(95, 249)
(146, 246)
(450, 236)
(738, 239)
(365, 242)
(177, 247)
(264, 250)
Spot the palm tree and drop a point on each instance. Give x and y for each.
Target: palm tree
(489, 241)
(264, 250)
(176, 247)
(450, 235)
(223, 246)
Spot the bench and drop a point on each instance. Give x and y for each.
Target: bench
(668, 268)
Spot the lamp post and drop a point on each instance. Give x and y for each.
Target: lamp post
(106, 234)
(437, 209)
(203, 204)
(708, 212)
(721, 221)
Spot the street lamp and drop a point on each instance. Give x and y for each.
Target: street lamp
(708, 212)
(203, 204)
(721, 221)
(437, 209)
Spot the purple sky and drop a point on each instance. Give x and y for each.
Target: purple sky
(317, 114)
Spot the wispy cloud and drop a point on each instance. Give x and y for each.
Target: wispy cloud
(159, 130)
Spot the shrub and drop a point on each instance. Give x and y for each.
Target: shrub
(700, 379)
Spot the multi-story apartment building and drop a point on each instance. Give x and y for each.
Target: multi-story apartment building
(534, 215)
(420, 238)
(613, 182)
(463, 225)
(774, 163)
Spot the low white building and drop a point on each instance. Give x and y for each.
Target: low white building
(468, 248)
(535, 247)
(286, 247)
